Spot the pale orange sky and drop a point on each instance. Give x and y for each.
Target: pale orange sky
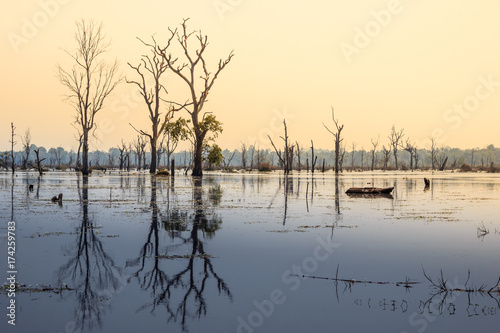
(430, 67)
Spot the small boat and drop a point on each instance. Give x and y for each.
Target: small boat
(369, 190)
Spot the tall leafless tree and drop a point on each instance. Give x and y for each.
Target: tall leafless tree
(342, 156)
(140, 152)
(122, 149)
(226, 160)
(410, 148)
(13, 143)
(111, 158)
(362, 157)
(38, 162)
(396, 142)
(298, 152)
(243, 156)
(352, 155)
(285, 155)
(442, 159)
(314, 159)
(191, 71)
(252, 156)
(373, 151)
(26, 139)
(337, 138)
(387, 154)
(89, 81)
(152, 66)
(433, 152)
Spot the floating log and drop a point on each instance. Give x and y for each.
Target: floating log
(369, 190)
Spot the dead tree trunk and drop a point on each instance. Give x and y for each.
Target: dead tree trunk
(39, 162)
(285, 156)
(313, 158)
(338, 140)
(12, 156)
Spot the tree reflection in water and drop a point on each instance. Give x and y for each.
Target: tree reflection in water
(182, 294)
(90, 271)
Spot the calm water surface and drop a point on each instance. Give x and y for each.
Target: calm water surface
(252, 253)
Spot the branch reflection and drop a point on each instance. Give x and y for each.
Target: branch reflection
(90, 270)
(182, 294)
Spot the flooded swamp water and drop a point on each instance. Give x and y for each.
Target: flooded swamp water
(251, 253)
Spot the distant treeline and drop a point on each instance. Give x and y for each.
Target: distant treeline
(254, 158)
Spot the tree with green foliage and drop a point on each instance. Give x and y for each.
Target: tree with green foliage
(173, 133)
(194, 73)
(214, 156)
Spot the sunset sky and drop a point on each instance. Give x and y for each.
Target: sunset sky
(430, 67)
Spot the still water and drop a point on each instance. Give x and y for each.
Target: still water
(252, 253)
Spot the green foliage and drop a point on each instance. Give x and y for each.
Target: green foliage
(211, 125)
(214, 155)
(178, 130)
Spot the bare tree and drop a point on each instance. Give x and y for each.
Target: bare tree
(410, 148)
(111, 158)
(243, 156)
(314, 159)
(122, 149)
(128, 151)
(373, 151)
(387, 153)
(415, 155)
(352, 155)
(396, 142)
(59, 155)
(252, 155)
(13, 143)
(433, 151)
(226, 161)
(90, 81)
(442, 159)
(39, 161)
(298, 152)
(337, 138)
(342, 156)
(138, 149)
(285, 155)
(97, 157)
(362, 157)
(26, 139)
(189, 74)
(152, 66)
